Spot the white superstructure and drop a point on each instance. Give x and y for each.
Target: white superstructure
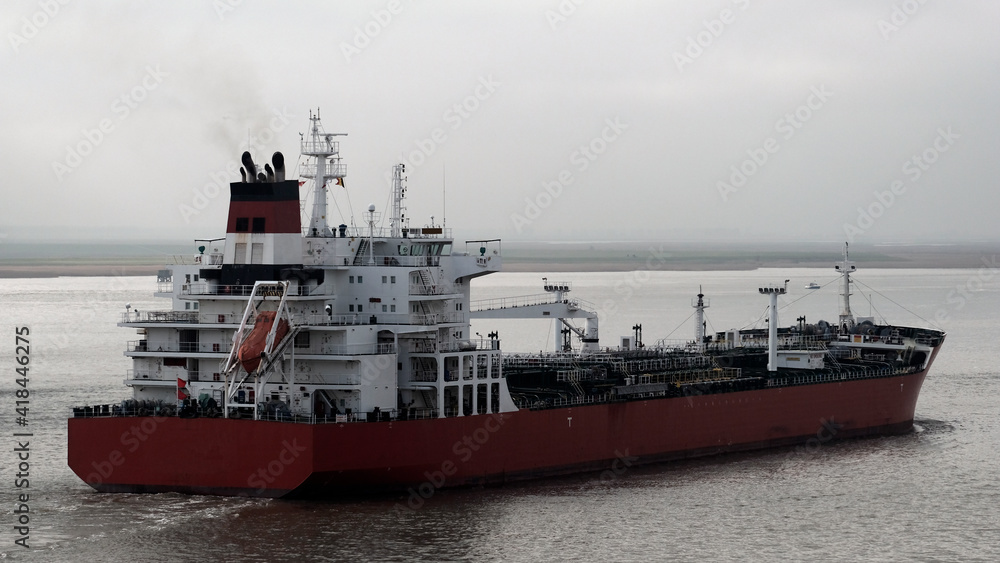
(378, 315)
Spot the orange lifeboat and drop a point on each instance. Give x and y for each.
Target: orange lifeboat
(253, 344)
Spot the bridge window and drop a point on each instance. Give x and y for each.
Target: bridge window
(242, 224)
(258, 224)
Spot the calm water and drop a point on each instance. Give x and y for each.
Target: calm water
(930, 495)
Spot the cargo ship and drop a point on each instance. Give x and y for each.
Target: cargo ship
(303, 359)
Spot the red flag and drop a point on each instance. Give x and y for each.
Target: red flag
(181, 383)
(181, 393)
(301, 183)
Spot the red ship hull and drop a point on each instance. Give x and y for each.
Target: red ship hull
(275, 459)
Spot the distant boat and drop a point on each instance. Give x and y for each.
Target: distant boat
(812, 285)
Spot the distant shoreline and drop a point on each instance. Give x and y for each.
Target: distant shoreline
(98, 269)
(37, 260)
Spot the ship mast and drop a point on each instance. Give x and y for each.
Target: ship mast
(398, 193)
(321, 146)
(845, 268)
(773, 291)
(699, 318)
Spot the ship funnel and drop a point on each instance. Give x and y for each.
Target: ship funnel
(269, 171)
(243, 173)
(249, 165)
(278, 160)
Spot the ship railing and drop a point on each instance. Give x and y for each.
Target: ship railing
(131, 408)
(396, 260)
(160, 317)
(241, 290)
(440, 288)
(428, 346)
(222, 318)
(350, 349)
(582, 400)
(165, 287)
(484, 248)
(161, 376)
(183, 260)
(428, 232)
(320, 319)
(847, 375)
(437, 318)
(689, 376)
(205, 288)
(669, 345)
(191, 347)
(377, 317)
(512, 302)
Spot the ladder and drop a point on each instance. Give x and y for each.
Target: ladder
(359, 258)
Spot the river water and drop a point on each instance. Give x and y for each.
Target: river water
(930, 495)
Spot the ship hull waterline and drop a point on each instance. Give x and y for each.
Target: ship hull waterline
(282, 459)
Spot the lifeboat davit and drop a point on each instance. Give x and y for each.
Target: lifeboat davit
(253, 344)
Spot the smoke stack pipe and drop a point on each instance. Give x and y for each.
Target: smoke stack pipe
(278, 160)
(249, 165)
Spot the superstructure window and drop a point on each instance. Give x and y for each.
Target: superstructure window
(258, 224)
(242, 224)
(302, 340)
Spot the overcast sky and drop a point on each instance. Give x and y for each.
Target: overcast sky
(866, 120)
